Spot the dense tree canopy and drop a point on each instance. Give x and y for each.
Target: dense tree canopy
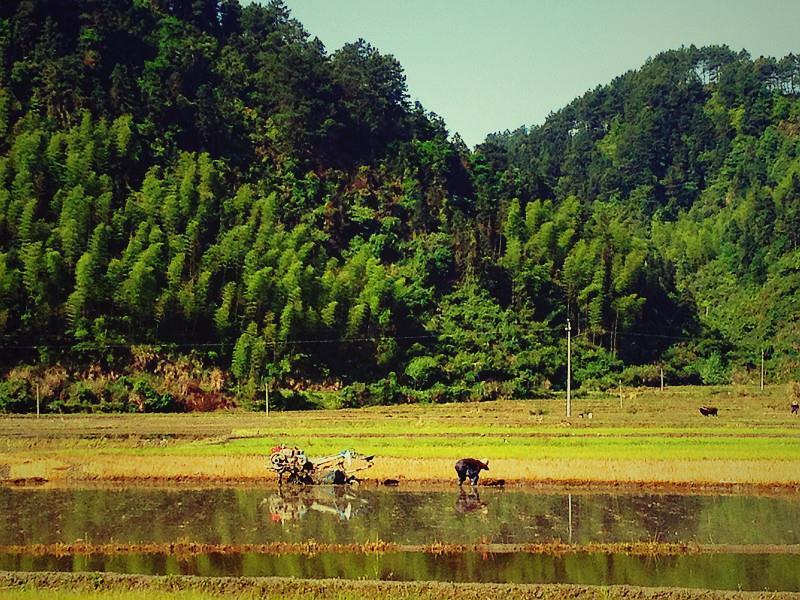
(204, 183)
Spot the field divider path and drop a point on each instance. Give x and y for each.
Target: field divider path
(102, 586)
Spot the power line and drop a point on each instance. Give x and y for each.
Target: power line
(653, 335)
(290, 342)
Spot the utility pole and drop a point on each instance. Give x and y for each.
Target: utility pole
(762, 369)
(569, 369)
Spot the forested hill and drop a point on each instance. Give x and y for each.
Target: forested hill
(696, 157)
(197, 197)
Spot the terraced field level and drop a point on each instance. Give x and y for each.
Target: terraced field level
(648, 494)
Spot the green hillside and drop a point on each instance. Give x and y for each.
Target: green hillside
(197, 197)
(696, 154)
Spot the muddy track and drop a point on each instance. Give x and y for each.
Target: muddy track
(522, 484)
(313, 589)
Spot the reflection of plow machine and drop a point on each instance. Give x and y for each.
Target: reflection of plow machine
(293, 465)
(290, 505)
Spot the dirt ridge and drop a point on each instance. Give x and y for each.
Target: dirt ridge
(311, 548)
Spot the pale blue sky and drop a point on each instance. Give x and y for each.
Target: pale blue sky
(491, 65)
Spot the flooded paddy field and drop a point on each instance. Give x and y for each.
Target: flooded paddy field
(748, 542)
(728, 572)
(352, 515)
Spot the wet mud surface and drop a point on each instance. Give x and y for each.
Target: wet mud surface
(516, 536)
(353, 515)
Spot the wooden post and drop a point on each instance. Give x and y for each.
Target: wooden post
(762, 369)
(37, 400)
(662, 379)
(620, 394)
(266, 396)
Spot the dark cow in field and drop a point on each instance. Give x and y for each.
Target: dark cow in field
(470, 468)
(795, 407)
(708, 411)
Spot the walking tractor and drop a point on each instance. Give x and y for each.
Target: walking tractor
(292, 465)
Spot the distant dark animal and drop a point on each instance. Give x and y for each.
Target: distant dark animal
(489, 482)
(708, 411)
(470, 468)
(795, 407)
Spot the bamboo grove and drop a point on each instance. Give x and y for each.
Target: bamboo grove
(197, 198)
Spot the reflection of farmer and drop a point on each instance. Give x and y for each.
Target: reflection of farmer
(468, 503)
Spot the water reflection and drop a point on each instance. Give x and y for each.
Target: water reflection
(470, 502)
(773, 572)
(292, 503)
(569, 509)
(345, 515)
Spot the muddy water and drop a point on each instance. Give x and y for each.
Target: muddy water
(745, 572)
(344, 516)
(335, 514)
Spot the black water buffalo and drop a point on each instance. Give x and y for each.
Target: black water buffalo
(708, 411)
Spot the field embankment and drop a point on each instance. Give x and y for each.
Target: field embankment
(95, 586)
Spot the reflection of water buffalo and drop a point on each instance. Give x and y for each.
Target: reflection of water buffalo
(467, 503)
(708, 411)
(470, 468)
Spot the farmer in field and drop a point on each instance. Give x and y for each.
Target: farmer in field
(470, 468)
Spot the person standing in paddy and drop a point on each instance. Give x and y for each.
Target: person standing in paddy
(470, 468)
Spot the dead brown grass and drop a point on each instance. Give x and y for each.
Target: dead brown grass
(109, 468)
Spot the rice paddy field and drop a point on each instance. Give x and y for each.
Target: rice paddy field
(646, 436)
(636, 495)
